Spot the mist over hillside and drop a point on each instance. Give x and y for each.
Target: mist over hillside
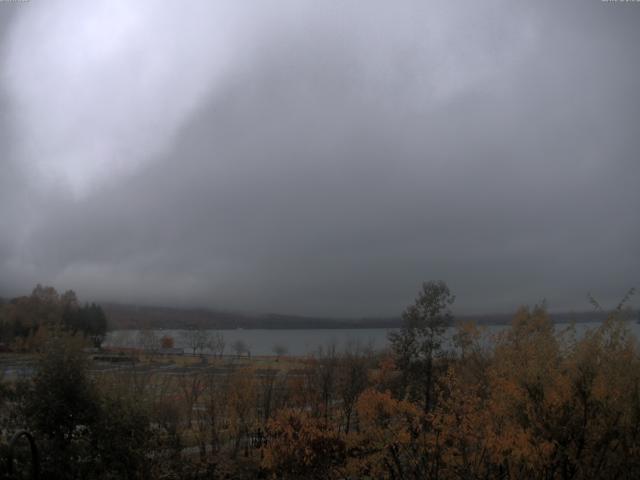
(121, 316)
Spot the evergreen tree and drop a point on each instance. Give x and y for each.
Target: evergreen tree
(419, 341)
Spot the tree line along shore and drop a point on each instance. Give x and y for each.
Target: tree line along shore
(537, 402)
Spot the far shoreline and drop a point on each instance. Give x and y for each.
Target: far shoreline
(155, 318)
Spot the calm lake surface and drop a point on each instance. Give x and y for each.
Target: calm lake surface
(308, 341)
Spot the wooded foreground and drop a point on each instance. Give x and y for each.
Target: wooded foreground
(533, 402)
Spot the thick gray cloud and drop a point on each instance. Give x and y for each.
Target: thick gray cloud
(321, 158)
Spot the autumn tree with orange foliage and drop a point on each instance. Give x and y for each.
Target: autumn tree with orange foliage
(303, 446)
(166, 342)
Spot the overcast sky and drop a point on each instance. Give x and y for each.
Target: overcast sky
(321, 157)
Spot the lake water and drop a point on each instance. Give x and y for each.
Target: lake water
(305, 342)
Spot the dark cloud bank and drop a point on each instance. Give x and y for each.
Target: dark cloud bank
(321, 158)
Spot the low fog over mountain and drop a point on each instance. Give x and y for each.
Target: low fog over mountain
(320, 158)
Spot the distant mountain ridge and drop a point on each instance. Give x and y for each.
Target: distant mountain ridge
(121, 316)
